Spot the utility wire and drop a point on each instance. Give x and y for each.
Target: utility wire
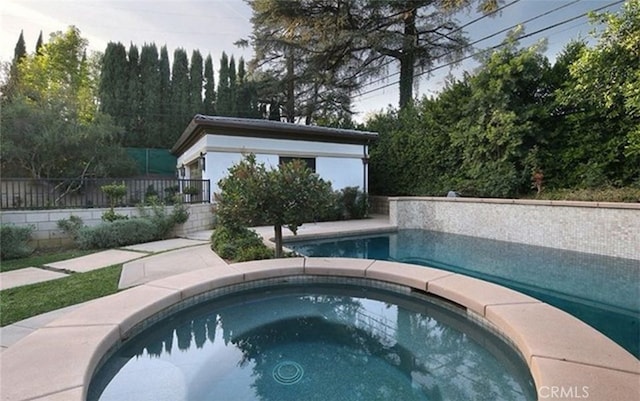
(490, 48)
(484, 38)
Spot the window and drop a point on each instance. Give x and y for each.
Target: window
(309, 161)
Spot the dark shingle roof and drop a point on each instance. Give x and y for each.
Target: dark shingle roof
(202, 125)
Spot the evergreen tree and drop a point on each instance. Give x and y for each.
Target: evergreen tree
(224, 103)
(233, 86)
(196, 83)
(180, 114)
(112, 88)
(164, 118)
(19, 53)
(134, 98)
(324, 45)
(150, 101)
(246, 99)
(39, 44)
(209, 105)
(20, 50)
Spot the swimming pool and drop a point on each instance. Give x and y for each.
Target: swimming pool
(316, 342)
(600, 290)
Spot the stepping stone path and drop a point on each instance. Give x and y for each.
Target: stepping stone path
(95, 261)
(28, 275)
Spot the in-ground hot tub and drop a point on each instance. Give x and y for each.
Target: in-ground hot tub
(316, 338)
(563, 355)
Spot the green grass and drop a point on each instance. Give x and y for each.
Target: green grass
(31, 300)
(40, 259)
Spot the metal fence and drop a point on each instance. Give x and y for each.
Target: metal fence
(57, 193)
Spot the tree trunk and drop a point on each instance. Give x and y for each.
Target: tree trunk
(278, 235)
(407, 60)
(290, 88)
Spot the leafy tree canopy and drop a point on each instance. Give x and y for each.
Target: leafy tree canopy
(287, 196)
(52, 126)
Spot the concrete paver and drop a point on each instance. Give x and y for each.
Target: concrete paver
(28, 275)
(164, 245)
(168, 264)
(12, 333)
(95, 261)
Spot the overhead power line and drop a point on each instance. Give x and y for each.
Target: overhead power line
(475, 42)
(524, 36)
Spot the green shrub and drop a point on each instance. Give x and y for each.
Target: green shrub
(254, 253)
(71, 226)
(14, 241)
(354, 202)
(238, 244)
(117, 233)
(163, 221)
(111, 215)
(346, 204)
(115, 193)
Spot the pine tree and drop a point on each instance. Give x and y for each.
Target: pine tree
(150, 91)
(196, 83)
(209, 104)
(112, 88)
(180, 114)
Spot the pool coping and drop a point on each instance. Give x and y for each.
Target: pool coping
(568, 359)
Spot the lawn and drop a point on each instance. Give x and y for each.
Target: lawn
(41, 259)
(31, 300)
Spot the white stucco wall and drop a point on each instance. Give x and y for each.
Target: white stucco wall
(339, 163)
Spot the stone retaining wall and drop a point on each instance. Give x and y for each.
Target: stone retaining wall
(604, 228)
(47, 234)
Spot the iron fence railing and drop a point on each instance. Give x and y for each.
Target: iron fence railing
(57, 193)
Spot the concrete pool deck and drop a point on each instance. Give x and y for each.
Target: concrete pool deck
(57, 361)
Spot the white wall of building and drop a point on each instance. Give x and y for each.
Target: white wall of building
(339, 163)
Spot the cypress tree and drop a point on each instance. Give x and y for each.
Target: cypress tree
(209, 104)
(19, 53)
(112, 88)
(233, 86)
(165, 98)
(196, 83)
(39, 44)
(134, 137)
(180, 114)
(246, 99)
(223, 101)
(150, 100)
(20, 50)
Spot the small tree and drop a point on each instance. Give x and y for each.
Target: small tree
(287, 196)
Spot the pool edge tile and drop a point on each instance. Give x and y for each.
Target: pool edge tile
(540, 330)
(72, 354)
(344, 267)
(270, 268)
(476, 294)
(412, 276)
(576, 381)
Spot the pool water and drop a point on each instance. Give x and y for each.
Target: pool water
(602, 291)
(320, 342)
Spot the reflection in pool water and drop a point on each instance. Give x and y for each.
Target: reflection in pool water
(315, 343)
(600, 290)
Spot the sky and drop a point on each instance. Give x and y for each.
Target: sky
(212, 26)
